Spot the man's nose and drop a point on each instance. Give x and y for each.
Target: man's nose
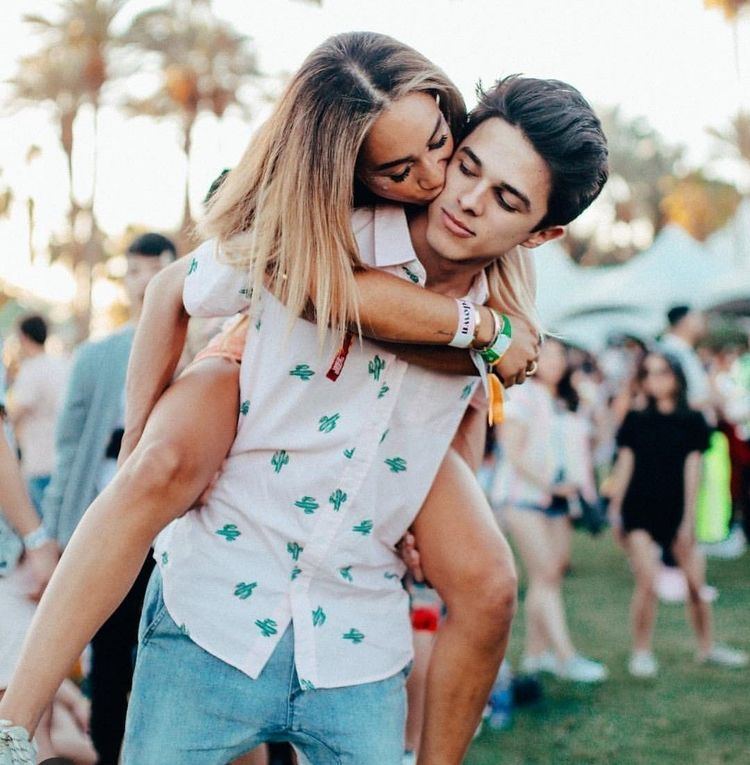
(471, 200)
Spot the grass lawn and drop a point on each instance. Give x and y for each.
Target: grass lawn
(689, 715)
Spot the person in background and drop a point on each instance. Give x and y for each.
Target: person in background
(656, 481)
(34, 404)
(544, 472)
(89, 432)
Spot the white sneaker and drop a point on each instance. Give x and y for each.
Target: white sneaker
(581, 670)
(533, 665)
(643, 664)
(15, 747)
(725, 656)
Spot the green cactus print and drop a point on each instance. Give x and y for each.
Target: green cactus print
(244, 408)
(414, 278)
(346, 573)
(376, 367)
(349, 453)
(243, 590)
(391, 575)
(279, 459)
(328, 424)
(184, 630)
(318, 617)
(308, 505)
(296, 571)
(396, 464)
(258, 325)
(385, 433)
(267, 627)
(306, 685)
(230, 532)
(337, 499)
(383, 390)
(164, 558)
(193, 266)
(355, 636)
(295, 550)
(246, 292)
(302, 371)
(364, 527)
(466, 392)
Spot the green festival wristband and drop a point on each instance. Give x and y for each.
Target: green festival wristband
(499, 346)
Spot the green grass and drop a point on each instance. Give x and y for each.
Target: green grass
(689, 715)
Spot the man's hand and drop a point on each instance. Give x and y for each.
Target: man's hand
(42, 563)
(524, 350)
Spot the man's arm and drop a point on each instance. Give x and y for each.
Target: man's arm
(69, 428)
(157, 346)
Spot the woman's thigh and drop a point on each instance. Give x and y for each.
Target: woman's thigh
(644, 556)
(456, 534)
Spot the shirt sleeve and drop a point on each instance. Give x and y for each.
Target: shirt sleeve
(626, 435)
(213, 288)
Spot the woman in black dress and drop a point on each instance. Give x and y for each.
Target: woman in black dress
(657, 477)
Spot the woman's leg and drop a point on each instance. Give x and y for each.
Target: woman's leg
(465, 556)
(644, 559)
(532, 532)
(690, 559)
(182, 447)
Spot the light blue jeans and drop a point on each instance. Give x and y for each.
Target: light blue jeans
(189, 708)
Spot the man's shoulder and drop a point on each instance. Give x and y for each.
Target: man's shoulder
(114, 344)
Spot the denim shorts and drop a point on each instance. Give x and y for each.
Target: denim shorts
(188, 707)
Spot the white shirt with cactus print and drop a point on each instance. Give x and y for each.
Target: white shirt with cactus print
(322, 481)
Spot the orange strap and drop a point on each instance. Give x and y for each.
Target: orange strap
(495, 411)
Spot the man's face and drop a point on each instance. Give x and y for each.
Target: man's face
(495, 194)
(141, 270)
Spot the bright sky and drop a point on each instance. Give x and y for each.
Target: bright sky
(670, 60)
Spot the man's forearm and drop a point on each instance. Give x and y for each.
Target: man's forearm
(158, 344)
(452, 361)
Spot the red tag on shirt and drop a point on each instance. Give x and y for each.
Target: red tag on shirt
(340, 359)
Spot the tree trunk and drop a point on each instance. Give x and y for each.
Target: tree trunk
(185, 234)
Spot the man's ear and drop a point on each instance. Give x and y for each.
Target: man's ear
(545, 235)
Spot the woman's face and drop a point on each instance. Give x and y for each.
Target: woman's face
(552, 363)
(406, 152)
(658, 379)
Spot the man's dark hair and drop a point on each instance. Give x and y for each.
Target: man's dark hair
(563, 129)
(152, 245)
(677, 313)
(35, 328)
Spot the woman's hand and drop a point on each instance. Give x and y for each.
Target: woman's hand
(524, 349)
(42, 563)
(407, 548)
(685, 538)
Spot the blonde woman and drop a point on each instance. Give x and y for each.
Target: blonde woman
(321, 280)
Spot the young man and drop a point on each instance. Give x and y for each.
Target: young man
(34, 405)
(285, 617)
(89, 431)
(292, 609)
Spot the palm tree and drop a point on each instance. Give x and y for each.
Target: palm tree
(732, 10)
(203, 62)
(67, 72)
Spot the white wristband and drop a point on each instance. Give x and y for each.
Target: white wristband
(36, 539)
(466, 325)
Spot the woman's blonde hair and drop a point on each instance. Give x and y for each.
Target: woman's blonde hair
(284, 212)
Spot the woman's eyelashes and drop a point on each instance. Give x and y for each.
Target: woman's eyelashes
(401, 177)
(439, 143)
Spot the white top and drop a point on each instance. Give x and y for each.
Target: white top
(699, 385)
(322, 481)
(556, 441)
(39, 386)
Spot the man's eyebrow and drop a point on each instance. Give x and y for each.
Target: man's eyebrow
(502, 186)
(404, 160)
